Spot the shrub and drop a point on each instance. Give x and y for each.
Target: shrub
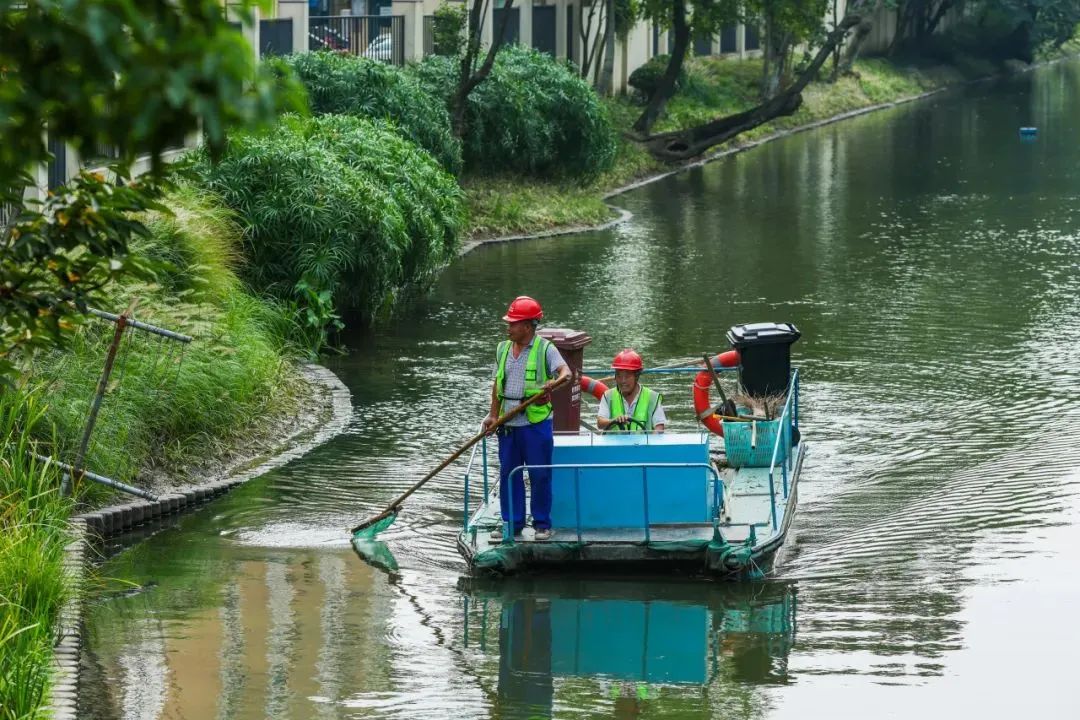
(351, 85)
(532, 115)
(338, 209)
(647, 77)
(448, 29)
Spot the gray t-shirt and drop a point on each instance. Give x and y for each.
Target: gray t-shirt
(514, 387)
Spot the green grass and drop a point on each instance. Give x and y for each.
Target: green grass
(32, 538)
(170, 404)
(502, 206)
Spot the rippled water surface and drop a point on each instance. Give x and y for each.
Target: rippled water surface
(930, 260)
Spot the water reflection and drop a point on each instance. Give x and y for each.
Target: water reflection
(617, 645)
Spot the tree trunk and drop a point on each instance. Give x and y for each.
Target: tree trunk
(685, 144)
(851, 51)
(588, 54)
(607, 77)
(666, 88)
(943, 8)
(467, 79)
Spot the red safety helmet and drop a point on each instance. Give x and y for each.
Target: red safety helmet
(523, 308)
(627, 360)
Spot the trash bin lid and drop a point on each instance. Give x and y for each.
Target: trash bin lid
(762, 334)
(565, 338)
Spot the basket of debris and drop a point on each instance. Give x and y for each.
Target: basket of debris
(750, 443)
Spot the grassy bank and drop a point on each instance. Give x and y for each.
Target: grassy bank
(714, 87)
(165, 410)
(33, 533)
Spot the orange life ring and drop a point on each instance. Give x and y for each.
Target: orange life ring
(702, 382)
(702, 407)
(593, 387)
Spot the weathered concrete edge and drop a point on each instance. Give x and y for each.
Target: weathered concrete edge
(623, 216)
(93, 526)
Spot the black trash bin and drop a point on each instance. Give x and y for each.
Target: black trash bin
(764, 356)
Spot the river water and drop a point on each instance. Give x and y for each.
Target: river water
(931, 260)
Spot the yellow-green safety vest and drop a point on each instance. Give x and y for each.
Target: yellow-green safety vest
(535, 376)
(647, 402)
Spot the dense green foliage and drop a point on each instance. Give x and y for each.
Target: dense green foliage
(346, 84)
(532, 115)
(647, 77)
(135, 77)
(448, 29)
(33, 533)
(339, 211)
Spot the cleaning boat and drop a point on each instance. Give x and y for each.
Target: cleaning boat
(717, 500)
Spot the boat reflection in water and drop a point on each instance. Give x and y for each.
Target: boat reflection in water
(614, 645)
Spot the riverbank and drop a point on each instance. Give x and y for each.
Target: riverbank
(515, 208)
(171, 414)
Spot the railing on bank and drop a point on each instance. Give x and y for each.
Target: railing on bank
(377, 37)
(8, 213)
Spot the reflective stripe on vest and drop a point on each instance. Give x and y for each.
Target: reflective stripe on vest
(535, 368)
(647, 402)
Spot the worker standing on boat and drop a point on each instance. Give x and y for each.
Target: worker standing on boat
(526, 365)
(630, 406)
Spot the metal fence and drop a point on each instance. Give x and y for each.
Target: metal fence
(7, 214)
(275, 36)
(378, 37)
(58, 163)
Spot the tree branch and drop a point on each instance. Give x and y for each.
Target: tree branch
(685, 144)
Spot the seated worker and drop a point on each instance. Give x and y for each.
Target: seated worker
(630, 406)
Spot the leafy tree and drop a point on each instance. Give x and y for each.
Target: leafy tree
(134, 75)
(786, 24)
(470, 76)
(683, 18)
(533, 115)
(448, 29)
(790, 20)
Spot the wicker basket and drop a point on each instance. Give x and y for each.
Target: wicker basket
(737, 443)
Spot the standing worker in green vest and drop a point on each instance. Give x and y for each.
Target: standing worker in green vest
(630, 406)
(526, 365)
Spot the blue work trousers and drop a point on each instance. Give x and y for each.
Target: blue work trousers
(526, 445)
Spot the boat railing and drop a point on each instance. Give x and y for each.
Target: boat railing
(789, 421)
(468, 473)
(715, 499)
